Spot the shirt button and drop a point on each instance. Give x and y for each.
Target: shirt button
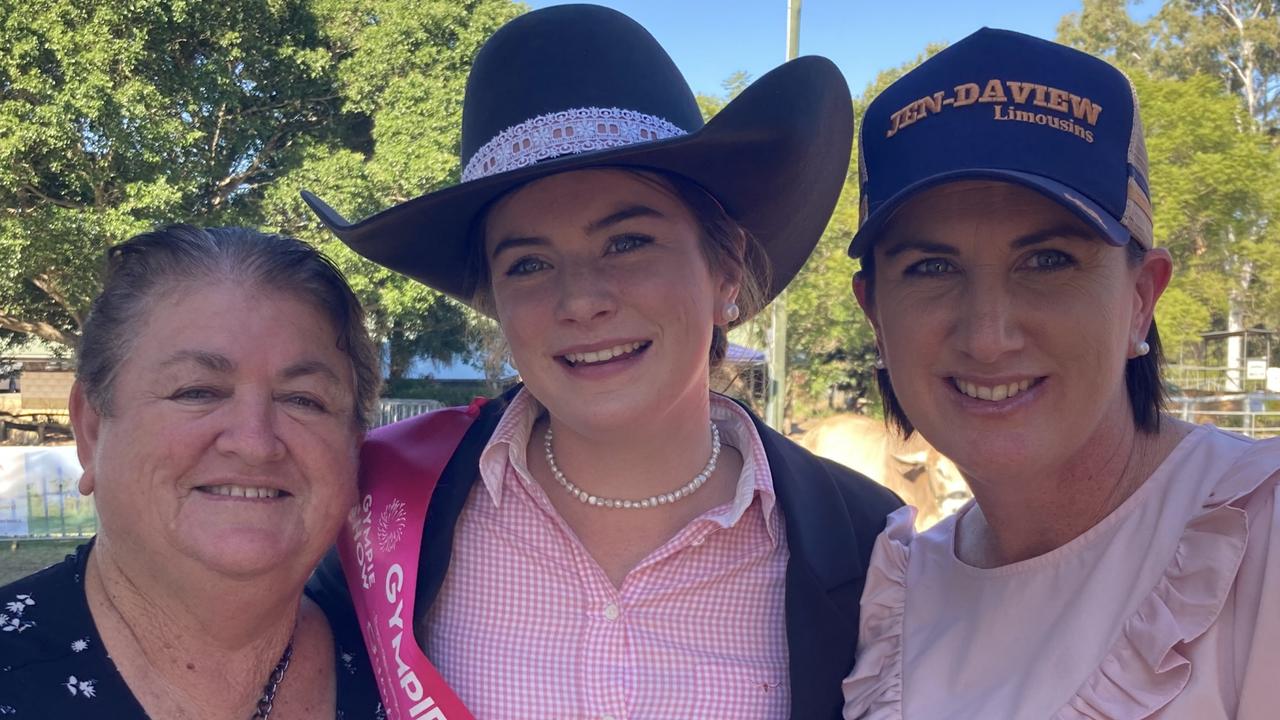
(698, 541)
(607, 717)
(611, 613)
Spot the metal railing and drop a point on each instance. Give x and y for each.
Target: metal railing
(1254, 424)
(1211, 379)
(391, 410)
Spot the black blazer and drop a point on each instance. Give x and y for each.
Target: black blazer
(832, 516)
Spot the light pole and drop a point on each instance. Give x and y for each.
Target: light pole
(776, 399)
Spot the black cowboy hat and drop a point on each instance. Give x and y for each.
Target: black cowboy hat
(576, 86)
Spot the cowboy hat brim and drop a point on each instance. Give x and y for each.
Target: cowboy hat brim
(775, 157)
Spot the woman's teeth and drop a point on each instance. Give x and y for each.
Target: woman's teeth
(599, 356)
(242, 491)
(993, 393)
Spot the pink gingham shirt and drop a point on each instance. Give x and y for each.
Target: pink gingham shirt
(527, 625)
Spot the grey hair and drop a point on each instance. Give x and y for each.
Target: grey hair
(143, 268)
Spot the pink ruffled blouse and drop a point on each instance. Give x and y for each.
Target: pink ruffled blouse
(1169, 608)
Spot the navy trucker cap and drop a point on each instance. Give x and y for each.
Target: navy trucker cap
(1001, 105)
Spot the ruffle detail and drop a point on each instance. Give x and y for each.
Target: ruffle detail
(874, 690)
(1144, 669)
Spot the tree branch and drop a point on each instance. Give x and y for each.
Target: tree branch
(229, 184)
(296, 102)
(35, 192)
(41, 330)
(1229, 11)
(48, 287)
(217, 130)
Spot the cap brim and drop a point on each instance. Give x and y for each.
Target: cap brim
(1084, 208)
(775, 157)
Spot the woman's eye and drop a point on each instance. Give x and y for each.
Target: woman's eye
(931, 266)
(194, 395)
(305, 402)
(1049, 260)
(626, 243)
(525, 266)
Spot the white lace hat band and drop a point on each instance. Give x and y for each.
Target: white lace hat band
(567, 132)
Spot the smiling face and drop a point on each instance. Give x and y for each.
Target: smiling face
(1005, 324)
(231, 444)
(603, 291)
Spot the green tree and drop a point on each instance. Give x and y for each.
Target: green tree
(1106, 29)
(1236, 41)
(1212, 190)
(711, 104)
(1208, 81)
(401, 71)
(830, 344)
(116, 116)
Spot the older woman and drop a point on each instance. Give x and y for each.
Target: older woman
(613, 539)
(1116, 563)
(224, 381)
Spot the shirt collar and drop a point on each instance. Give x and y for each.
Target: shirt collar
(507, 449)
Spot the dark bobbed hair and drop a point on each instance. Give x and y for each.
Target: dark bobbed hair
(729, 248)
(1147, 392)
(143, 269)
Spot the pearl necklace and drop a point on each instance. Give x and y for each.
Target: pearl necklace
(652, 501)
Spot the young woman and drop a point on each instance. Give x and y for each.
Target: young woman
(613, 539)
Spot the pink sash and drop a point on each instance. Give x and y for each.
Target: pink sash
(400, 465)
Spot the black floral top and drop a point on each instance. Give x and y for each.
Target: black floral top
(53, 663)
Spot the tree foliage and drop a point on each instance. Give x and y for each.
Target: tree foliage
(401, 70)
(115, 116)
(830, 345)
(120, 115)
(1208, 79)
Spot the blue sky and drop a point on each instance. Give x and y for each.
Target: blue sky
(710, 39)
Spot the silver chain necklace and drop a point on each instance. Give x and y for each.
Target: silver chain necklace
(652, 501)
(273, 684)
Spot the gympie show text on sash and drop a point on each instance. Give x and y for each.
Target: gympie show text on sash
(400, 465)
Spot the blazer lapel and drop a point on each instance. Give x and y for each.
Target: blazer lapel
(446, 504)
(831, 524)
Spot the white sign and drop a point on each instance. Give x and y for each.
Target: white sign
(1255, 370)
(27, 470)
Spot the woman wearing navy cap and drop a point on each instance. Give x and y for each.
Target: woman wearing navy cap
(1115, 562)
(612, 539)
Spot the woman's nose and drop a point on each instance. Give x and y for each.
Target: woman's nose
(252, 431)
(586, 293)
(988, 321)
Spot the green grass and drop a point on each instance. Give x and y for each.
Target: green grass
(23, 557)
(69, 524)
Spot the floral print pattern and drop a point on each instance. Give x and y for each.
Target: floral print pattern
(54, 664)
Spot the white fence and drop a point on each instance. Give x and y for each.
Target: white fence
(390, 410)
(39, 497)
(1244, 414)
(39, 494)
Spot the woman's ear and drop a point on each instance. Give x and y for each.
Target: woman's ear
(727, 309)
(86, 422)
(1152, 277)
(865, 301)
(861, 291)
